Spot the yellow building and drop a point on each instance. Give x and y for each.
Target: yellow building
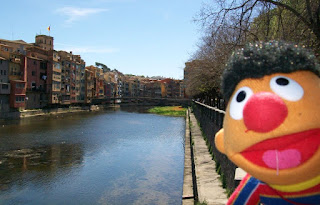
(89, 86)
(45, 42)
(66, 62)
(55, 97)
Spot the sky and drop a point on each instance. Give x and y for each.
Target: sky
(139, 37)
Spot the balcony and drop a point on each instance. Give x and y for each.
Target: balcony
(37, 89)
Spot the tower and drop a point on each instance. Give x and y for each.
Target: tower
(45, 42)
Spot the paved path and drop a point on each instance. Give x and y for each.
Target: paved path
(188, 194)
(209, 186)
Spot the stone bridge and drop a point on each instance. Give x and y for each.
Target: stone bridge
(154, 101)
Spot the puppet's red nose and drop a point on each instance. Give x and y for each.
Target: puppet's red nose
(264, 112)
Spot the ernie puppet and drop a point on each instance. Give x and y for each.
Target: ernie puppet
(271, 127)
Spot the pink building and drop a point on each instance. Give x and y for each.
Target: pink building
(37, 77)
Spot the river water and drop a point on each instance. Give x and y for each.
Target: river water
(107, 157)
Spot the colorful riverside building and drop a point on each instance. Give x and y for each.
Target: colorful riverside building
(41, 75)
(72, 78)
(34, 75)
(55, 81)
(171, 88)
(66, 63)
(98, 91)
(89, 86)
(131, 86)
(12, 75)
(79, 79)
(110, 84)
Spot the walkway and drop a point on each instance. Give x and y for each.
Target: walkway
(208, 186)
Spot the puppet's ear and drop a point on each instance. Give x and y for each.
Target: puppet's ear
(219, 141)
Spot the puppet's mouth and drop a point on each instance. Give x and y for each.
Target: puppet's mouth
(284, 152)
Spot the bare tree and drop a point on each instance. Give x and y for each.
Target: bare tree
(291, 20)
(229, 24)
(207, 64)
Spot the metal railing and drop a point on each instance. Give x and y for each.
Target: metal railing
(211, 121)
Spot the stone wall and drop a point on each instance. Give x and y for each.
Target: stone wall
(50, 111)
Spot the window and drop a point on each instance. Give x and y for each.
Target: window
(1, 72)
(5, 86)
(20, 86)
(57, 65)
(33, 73)
(43, 65)
(4, 72)
(33, 85)
(34, 62)
(19, 99)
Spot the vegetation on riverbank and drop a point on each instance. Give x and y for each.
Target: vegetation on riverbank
(169, 111)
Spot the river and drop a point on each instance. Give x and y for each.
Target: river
(107, 157)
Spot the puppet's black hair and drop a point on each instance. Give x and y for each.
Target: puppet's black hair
(256, 60)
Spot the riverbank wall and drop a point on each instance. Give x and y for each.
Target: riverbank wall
(51, 111)
(201, 182)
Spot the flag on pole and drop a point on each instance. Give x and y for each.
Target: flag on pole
(49, 30)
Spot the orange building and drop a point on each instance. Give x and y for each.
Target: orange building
(171, 88)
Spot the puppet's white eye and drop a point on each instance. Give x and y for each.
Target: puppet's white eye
(286, 88)
(238, 102)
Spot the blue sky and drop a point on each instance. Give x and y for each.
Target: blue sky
(140, 37)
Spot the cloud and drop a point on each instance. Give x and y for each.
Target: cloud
(74, 13)
(84, 49)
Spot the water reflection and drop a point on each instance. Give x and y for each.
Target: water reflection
(43, 159)
(112, 157)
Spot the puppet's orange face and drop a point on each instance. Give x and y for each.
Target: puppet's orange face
(272, 127)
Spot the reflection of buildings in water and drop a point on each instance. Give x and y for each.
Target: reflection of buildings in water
(50, 159)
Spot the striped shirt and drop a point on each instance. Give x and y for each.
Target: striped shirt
(252, 191)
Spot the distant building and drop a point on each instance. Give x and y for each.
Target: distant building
(12, 75)
(18, 46)
(89, 86)
(45, 42)
(66, 62)
(34, 75)
(171, 88)
(55, 82)
(133, 86)
(80, 79)
(4, 85)
(153, 89)
(38, 73)
(110, 84)
(18, 94)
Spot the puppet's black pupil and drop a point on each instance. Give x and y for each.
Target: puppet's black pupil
(282, 81)
(241, 96)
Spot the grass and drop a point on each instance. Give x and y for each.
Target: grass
(169, 111)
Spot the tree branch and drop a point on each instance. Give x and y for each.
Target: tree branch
(296, 13)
